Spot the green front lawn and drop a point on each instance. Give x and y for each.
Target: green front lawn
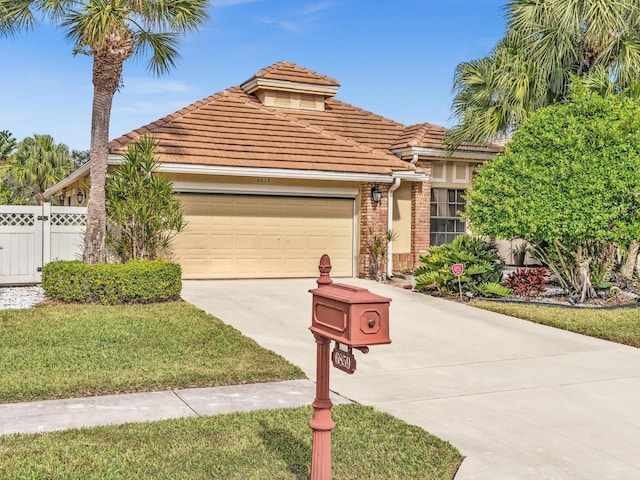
(73, 351)
(70, 351)
(620, 325)
(264, 444)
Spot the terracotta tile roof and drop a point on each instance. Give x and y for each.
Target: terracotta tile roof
(427, 135)
(232, 128)
(362, 126)
(291, 72)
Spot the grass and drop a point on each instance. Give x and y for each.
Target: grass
(71, 351)
(617, 325)
(273, 444)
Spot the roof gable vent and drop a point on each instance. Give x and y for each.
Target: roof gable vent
(287, 85)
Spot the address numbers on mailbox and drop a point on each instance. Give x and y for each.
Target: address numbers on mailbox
(343, 360)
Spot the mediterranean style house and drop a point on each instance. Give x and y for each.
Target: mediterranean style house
(275, 172)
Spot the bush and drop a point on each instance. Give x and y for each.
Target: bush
(143, 212)
(482, 263)
(137, 281)
(528, 282)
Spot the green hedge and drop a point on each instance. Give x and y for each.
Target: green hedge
(137, 281)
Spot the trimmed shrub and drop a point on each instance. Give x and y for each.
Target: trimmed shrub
(528, 282)
(137, 281)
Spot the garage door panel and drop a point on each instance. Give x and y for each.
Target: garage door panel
(237, 236)
(339, 264)
(195, 242)
(296, 243)
(270, 244)
(221, 242)
(249, 242)
(223, 266)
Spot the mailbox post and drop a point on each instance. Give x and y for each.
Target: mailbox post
(350, 316)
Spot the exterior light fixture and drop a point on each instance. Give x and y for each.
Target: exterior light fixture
(80, 196)
(376, 194)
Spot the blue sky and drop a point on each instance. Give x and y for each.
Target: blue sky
(395, 58)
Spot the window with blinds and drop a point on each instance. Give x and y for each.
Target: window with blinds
(446, 206)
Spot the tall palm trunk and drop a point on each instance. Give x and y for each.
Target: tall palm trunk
(107, 71)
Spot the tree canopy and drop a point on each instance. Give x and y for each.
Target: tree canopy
(39, 163)
(547, 42)
(569, 178)
(111, 32)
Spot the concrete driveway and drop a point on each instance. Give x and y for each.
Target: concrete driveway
(521, 401)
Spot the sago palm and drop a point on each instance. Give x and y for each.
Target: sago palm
(111, 31)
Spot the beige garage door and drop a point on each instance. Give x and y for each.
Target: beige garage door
(248, 236)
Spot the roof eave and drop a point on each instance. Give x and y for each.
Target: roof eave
(68, 180)
(438, 153)
(254, 84)
(275, 173)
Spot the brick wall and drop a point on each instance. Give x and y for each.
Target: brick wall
(420, 219)
(372, 217)
(403, 262)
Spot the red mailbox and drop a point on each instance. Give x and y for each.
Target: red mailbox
(350, 315)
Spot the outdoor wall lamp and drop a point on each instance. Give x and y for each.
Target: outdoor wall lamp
(376, 194)
(80, 196)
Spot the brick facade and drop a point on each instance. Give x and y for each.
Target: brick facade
(373, 218)
(420, 219)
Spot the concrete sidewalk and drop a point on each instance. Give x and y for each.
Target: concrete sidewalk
(50, 415)
(521, 401)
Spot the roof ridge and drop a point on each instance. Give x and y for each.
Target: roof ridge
(283, 65)
(306, 124)
(422, 129)
(368, 112)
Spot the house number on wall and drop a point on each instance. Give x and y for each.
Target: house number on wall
(264, 179)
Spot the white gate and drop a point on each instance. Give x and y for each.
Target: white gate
(31, 237)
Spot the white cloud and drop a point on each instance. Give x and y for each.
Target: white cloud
(283, 24)
(317, 7)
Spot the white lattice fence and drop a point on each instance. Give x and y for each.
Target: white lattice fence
(32, 236)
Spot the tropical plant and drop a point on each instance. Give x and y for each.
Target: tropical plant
(80, 157)
(142, 208)
(547, 42)
(7, 145)
(483, 268)
(528, 282)
(568, 183)
(38, 164)
(111, 32)
(378, 252)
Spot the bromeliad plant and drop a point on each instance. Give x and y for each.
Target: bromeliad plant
(483, 267)
(528, 282)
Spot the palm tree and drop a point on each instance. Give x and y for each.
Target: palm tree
(111, 31)
(39, 163)
(547, 43)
